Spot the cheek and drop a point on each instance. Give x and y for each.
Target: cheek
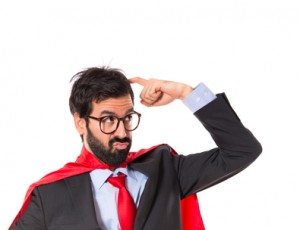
(98, 135)
(129, 134)
(103, 138)
(94, 128)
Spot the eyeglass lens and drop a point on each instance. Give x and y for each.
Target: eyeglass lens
(110, 123)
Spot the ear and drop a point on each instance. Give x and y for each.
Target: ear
(80, 123)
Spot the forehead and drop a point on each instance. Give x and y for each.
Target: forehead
(118, 105)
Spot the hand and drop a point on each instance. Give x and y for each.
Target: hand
(160, 92)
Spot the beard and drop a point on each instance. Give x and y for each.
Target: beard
(108, 155)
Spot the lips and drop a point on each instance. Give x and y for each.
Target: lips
(120, 145)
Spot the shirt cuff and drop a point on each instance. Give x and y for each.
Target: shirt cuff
(199, 97)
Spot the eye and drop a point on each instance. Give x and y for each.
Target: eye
(109, 119)
(128, 117)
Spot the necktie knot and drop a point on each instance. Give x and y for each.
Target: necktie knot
(118, 181)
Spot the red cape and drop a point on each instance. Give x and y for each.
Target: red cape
(86, 162)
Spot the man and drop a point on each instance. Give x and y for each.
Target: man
(82, 195)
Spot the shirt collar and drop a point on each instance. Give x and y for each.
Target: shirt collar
(100, 176)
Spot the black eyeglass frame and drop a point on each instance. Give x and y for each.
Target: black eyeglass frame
(119, 119)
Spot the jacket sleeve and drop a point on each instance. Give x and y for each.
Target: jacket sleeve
(236, 149)
(33, 218)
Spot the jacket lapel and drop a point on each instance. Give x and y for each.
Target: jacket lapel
(80, 191)
(148, 167)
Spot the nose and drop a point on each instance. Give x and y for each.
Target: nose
(121, 131)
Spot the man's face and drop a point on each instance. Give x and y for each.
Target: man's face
(113, 148)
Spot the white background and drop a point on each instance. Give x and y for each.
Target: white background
(248, 49)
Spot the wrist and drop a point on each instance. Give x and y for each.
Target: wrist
(186, 91)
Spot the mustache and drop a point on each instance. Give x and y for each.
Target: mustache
(121, 140)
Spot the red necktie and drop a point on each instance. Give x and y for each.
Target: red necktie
(126, 206)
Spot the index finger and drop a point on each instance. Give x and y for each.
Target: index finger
(138, 80)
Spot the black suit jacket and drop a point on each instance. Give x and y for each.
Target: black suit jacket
(68, 204)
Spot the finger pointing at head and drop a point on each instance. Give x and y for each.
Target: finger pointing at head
(138, 80)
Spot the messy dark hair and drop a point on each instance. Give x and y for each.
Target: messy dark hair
(97, 84)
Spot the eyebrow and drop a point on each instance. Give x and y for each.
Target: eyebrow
(108, 112)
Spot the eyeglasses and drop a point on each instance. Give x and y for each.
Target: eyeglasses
(109, 124)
